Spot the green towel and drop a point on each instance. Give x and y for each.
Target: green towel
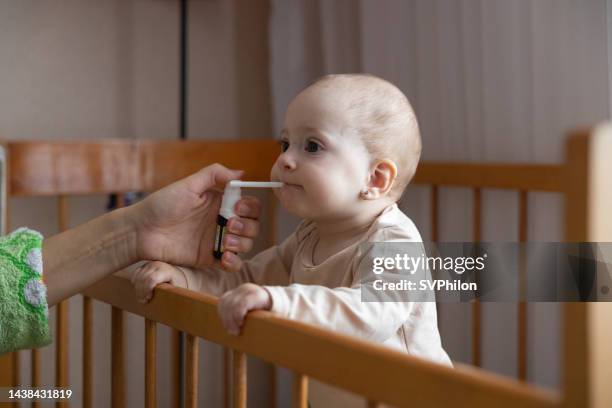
(24, 316)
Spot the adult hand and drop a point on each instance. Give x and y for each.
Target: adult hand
(177, 224)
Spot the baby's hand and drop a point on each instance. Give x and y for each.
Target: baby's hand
(235, 304)
(151, 274)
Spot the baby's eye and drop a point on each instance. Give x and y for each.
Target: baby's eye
(284, 145)
(312, 147)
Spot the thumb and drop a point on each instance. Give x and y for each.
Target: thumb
(214, 176)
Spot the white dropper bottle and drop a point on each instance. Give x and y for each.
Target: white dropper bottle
(231, 195)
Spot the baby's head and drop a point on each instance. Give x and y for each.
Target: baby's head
(348, 142)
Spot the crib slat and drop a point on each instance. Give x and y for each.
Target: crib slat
(522, 306)
(227, 377)
(476, 333)
(300, 391)
(61, 356)
(240, 379)
(16, 368)
(476, 307)
(117, 349)
(272, 389)
(61, 341)
(150, 363)
(175, 369)
(87, 349)
(374, 404)
(117, 367)
(192, 352)
(35, 374)
(120, 200)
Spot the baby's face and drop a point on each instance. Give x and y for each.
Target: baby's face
(323, 161)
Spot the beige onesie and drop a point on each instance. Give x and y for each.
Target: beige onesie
(328, 294)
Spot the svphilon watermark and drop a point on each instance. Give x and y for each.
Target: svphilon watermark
(490, 272)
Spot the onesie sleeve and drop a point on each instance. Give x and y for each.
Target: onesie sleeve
(340, 309)
(271, 267)
(344, 309)
(23, 296)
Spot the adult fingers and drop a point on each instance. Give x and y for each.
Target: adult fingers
(231, 262)
(244, 227)
(237, 244)
(213, 176)
(248, 207)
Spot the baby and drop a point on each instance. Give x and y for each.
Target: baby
(349, 147)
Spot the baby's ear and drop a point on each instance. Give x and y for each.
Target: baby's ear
(382, 176)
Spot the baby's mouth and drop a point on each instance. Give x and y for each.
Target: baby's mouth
(291, 186)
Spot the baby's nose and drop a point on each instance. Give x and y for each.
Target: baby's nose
(287, 161)
(289, 165)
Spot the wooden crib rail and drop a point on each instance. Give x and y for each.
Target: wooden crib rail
(535, 177)
(39, 168)
(373, 371)
(45, 168)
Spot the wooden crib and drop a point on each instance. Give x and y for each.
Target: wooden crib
(380, 375)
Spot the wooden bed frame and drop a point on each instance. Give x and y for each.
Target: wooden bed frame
(379, 374)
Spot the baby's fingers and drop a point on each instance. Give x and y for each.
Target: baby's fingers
(137, 274)
(139, 280)
(144, 289)
(224, 312)
(238, 313)
(148, 280)
(229, 313)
